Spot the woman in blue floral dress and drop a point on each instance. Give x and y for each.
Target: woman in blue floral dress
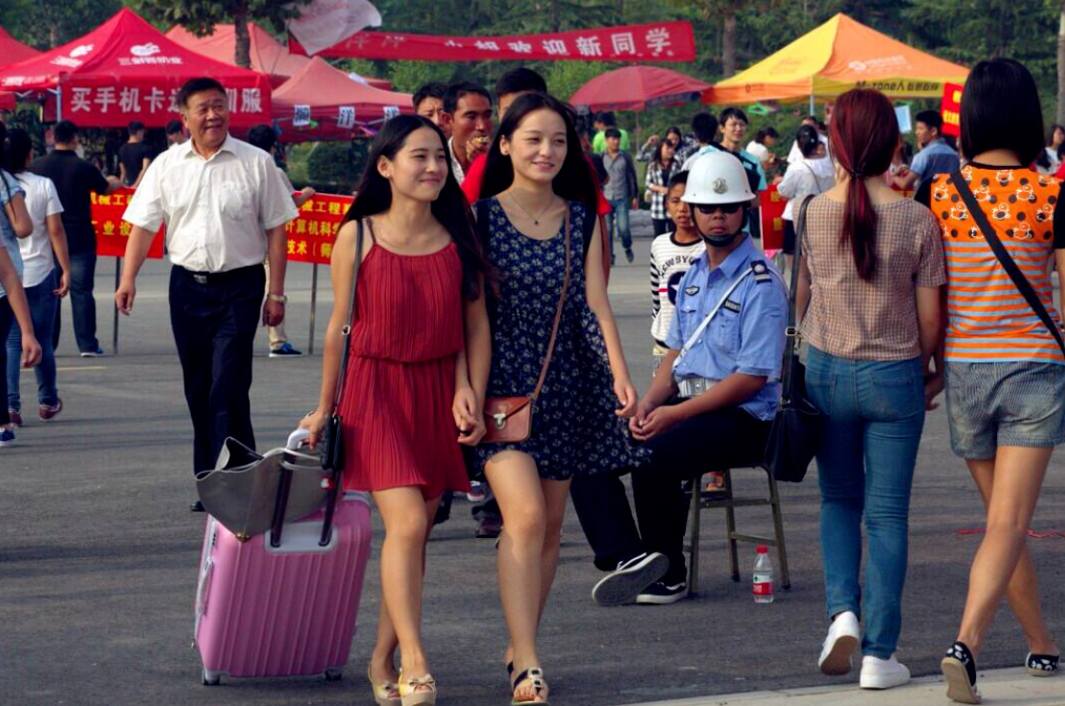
(536, 175)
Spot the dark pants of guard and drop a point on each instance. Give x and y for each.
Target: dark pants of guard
(727, 438)
(214, 318)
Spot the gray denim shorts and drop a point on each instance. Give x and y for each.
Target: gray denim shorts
(1004, 404)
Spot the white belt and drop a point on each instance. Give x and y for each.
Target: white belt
(693, 387)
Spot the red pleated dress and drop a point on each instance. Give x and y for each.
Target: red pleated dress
(400, 385)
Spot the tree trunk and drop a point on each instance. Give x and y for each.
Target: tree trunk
(620, 8)
(1061, 67)
(728, 45)
(242, 45)
(556, 15)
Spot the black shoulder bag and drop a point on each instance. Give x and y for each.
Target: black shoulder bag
(1003, 255)
(796, 432)
(332, 438)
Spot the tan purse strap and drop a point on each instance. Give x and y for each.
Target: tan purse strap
(558, 313)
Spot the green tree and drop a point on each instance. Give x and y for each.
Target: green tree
(200, 17)
(46, 25)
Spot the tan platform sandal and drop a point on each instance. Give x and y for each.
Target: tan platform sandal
(419, 691)
(385, 693)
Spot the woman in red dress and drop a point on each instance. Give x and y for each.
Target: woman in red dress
(420, 328)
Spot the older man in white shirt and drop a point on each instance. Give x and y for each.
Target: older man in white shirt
(225, 209)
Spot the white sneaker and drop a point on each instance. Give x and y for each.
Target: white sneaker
(842, 640)
(883, 673)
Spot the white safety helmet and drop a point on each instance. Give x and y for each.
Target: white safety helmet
(717, 177)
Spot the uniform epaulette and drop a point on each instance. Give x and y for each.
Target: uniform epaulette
(761, 271)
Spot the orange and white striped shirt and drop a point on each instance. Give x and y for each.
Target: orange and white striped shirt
(988, 320)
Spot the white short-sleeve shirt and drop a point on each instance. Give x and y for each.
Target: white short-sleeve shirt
(41, 201)
(216, 210)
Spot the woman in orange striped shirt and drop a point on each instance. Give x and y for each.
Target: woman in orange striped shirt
(1005, 372)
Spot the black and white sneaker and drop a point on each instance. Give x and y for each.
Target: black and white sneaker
(629, 580)
(1042, 665)
(959, 668)
(661, 593)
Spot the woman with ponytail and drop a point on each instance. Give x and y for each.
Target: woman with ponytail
(871, 268)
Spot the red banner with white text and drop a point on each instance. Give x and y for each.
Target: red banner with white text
(112, 233)
(951, 109)
(666, 41)
(310, 236)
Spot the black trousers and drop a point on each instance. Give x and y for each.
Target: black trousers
(723, 439)
(662, 225)
(214, 324)
(602, 507)
(726, 438)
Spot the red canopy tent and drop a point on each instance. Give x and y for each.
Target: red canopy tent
(12, 51)
(127, 70)
(637, 88)
(325, 95)
(268, 55)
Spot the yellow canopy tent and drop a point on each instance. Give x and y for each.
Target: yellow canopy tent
(837, 56)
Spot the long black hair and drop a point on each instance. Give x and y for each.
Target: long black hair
(17, 148)
(573, 182)
(450, 207)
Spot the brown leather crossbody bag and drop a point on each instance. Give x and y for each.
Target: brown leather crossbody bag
(509, 419)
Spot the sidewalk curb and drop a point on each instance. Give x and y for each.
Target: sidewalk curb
(1002, 686)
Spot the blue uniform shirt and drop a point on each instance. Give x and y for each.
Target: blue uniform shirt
(8, 189)
(747, 334)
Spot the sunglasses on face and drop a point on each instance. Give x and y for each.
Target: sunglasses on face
(727, 208)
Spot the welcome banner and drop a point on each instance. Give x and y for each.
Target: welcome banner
(666, 41)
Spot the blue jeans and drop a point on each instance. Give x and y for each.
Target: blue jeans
(43, 305)
(874, 418)
(619, 217)
(82, 302)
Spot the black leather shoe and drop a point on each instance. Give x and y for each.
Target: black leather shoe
(196, 507)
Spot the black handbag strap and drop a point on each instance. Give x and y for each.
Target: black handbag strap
(334, 490)
(787, 379)
(346, 331)
(1003, 255)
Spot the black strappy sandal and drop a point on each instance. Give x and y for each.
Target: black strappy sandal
(535, 676)
(1042, 665)
(959, 668)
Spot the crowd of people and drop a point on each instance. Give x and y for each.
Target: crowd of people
(504, 365)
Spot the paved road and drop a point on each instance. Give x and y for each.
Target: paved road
(98, 555)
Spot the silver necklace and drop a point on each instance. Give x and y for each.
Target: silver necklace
(535, 219)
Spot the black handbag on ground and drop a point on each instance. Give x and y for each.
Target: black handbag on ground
(332, 442)
(796, 432)
(1003, 255)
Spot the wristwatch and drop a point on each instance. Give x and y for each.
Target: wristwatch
(279, 298)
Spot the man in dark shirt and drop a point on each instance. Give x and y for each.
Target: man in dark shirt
(134, 156)
(74, 180)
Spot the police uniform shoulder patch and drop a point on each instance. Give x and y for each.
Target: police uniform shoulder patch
(761, 271)
(691, 290)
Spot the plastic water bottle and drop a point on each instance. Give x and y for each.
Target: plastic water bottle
(763, 576)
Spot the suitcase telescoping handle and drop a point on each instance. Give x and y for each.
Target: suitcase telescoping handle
(295, 440)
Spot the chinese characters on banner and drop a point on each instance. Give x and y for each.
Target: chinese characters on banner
(112, 232)
(310, 236)
(951, 109)
(667, 41)
(116, 106)
(772, 215)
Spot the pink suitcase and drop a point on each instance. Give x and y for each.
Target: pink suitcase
(263, 611)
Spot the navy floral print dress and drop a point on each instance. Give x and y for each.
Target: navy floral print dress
(575, 430)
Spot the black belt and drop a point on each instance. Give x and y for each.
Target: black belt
(209, 278)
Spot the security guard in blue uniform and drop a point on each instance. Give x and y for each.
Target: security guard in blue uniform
(726, 348)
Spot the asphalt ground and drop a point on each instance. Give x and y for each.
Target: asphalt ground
(98, 553)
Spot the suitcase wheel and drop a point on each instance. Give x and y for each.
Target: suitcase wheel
(210, 678)
(335, 674)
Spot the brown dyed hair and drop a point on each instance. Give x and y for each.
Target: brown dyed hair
(864, 134)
